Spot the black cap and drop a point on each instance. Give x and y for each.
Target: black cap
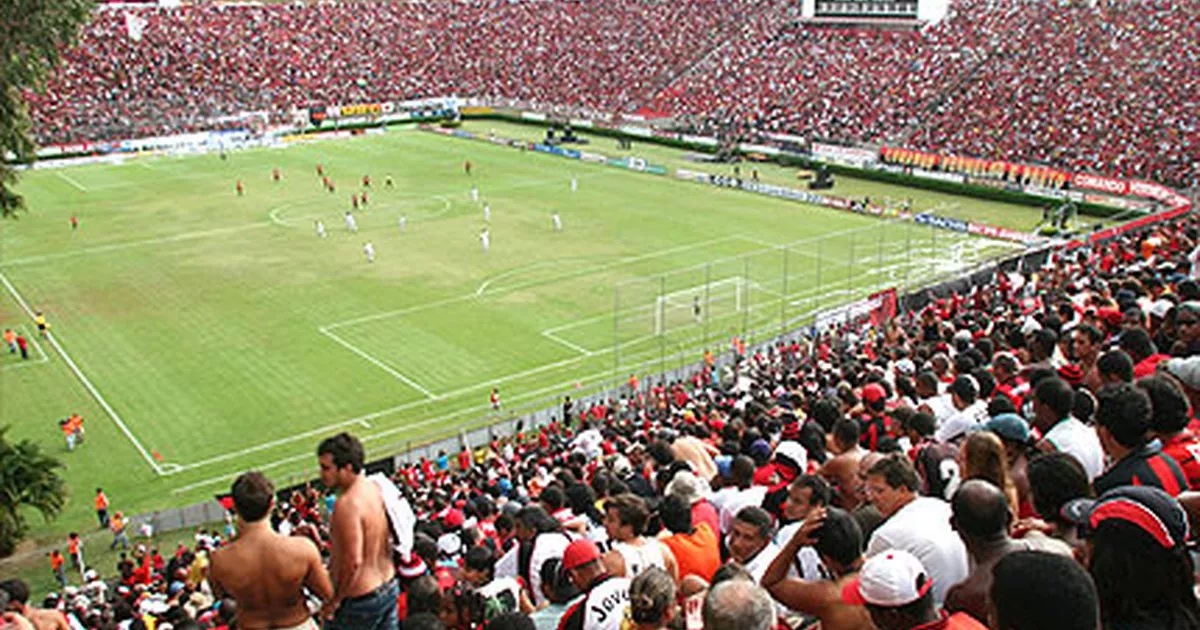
(1149, 508)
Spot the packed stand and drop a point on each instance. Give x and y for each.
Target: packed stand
(206, 65)
(1024, 452)
(1108, 88)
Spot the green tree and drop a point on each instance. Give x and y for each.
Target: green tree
(28, 480)
(35, 34)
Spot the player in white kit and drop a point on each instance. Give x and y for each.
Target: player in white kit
(351, 224)
(487, 213)
(474, 193)
(557, 220)
(369, 251)
(485, 240)
(320, 229)
(403, 223)
(574, 183)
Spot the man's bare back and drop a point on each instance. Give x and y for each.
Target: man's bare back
(43, 619)
(265, 573)
(361, 557)
(842, 473)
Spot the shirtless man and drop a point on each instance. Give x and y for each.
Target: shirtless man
(835, 535)
(364, 576)
(18, 602)
(842, 471)
(264, 572)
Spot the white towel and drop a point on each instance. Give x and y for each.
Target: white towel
(399, 512)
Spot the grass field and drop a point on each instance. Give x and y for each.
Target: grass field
(201, 334)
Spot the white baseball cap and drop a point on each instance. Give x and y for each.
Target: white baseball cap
(890, 579)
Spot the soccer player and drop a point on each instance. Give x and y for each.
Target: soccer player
(474, 193)
(494, 399)
(369, 251)
(364, 199)
(275, 175)
(574, 183)
(696, 308)
(351, 224)
(485, 240)
(325, 181)
(487, 212)
(74, 222)
(557, 221)
(354, 201)
(240, 189)
(320, 225)
(388, 183)
(10, 339)
(403, 224)
(467, 166)
(321, 172)
(42, 326)
(23, 346)
(332, 187)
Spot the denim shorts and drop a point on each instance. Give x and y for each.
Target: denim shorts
(374, 611)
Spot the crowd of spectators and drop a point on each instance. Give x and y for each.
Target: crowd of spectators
(1103, 87)
(1022, 454)
(195, 66)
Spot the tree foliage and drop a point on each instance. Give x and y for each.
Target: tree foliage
(35, 33)
(28, 480)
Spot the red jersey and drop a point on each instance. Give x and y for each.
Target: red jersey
(1184, 448)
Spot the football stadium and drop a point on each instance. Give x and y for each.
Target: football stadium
(577, 314)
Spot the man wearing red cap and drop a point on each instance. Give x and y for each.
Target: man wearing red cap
(602, 606)
(898, 594)
(875, 425)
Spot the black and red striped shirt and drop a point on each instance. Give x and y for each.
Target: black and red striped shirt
(1147, 466)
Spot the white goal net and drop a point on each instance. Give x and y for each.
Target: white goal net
(693, 306)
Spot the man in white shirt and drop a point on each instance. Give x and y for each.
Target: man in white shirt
(750, 543)
(969, 411)
(918, 525)
(747, 494)
(1053, 402)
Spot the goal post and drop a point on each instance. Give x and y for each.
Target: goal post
(698, 304)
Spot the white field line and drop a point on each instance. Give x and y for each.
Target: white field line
(485, 384)
(87, 384)
(580, 349)
(186, 236)
(379, 364)
(70, 180)
(388, 432)
(364, 419)
(273, 215)
(45, 358)
(504, 290)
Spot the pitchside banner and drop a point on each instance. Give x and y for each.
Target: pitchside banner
(879, 307)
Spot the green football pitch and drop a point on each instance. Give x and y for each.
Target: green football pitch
(201, 334)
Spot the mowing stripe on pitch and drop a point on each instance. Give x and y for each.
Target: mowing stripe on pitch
(87, 384)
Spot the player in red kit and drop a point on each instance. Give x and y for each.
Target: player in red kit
(240, 189)
(366, 181)
(275, 174)
(495, 399)
(74, 222)
(354, 201)
(320, 171)
(364, 198)
(467, 166)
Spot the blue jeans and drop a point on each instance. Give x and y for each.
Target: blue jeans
(374, 611)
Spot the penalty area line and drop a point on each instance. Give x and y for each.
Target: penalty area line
(83, 379)
(70, 180)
